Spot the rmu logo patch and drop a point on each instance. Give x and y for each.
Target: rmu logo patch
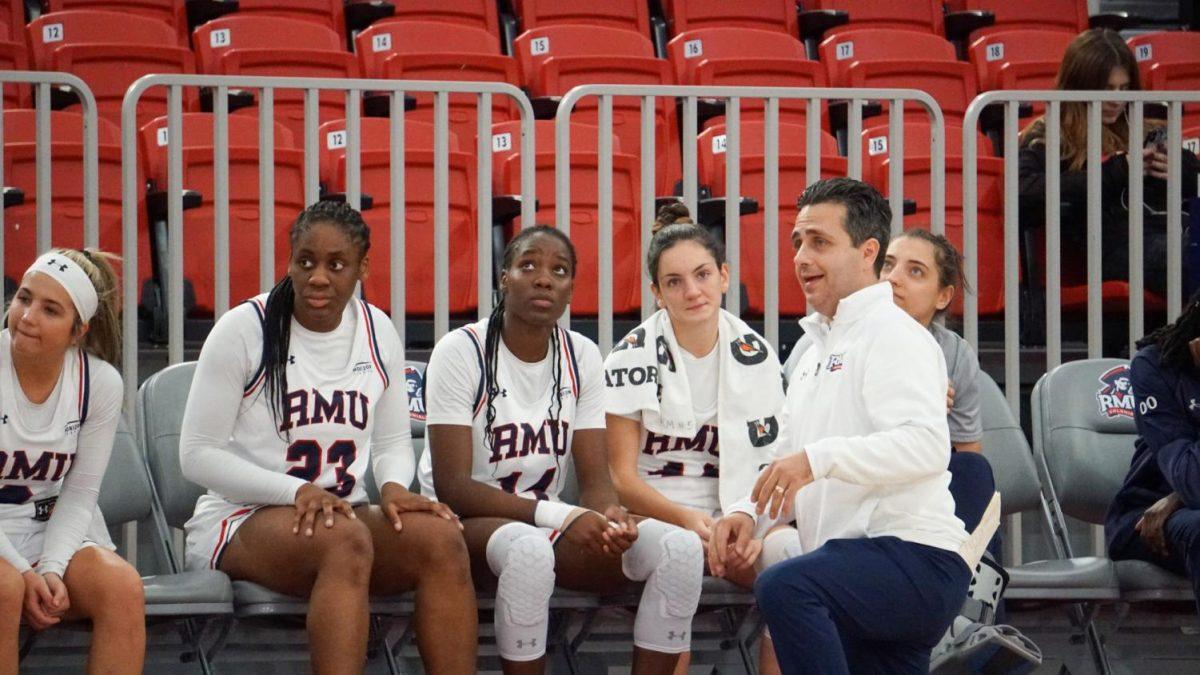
(749, 350)
(1115, 395)
(416, 393)
(763, 432)
(835, 363)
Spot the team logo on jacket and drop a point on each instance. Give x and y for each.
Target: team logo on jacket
(635, 340)
(749, 350)
(664, 353)
(763, 432)
(416, 393)
(1115, 395)
(835, 363)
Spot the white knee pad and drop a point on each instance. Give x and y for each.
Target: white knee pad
(671, 562)
(522, 557)
(781, 544)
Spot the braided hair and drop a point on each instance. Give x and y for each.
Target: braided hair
(277, 322)
(491, 343)
(1173, 339)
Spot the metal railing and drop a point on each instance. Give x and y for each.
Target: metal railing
(265, 87)
(43, 82)
(733, 97)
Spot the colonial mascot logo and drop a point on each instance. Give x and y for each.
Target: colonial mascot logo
(1115, 395)
(749, 350)
(763, 432)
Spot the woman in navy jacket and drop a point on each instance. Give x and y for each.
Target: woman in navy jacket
(1156, 514)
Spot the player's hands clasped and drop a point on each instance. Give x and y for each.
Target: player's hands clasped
(395, 500)
(312, 501)
(732, 545)
(609, 534)
(46, 599)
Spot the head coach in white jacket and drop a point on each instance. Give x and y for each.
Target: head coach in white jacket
(863, 463)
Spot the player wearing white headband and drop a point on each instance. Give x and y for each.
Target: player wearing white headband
(512, 402)
(60, 401)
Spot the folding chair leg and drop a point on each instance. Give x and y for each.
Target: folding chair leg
(1096, 647)
(393, 666)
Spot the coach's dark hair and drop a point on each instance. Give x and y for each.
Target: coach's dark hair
(868, 215)
(277, 325)
(672, 226)
(946, 258)
(1173, 339)
(491, 343)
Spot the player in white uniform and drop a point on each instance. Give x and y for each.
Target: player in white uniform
(512, 402)
(293, 401)
(676, 478)
(60, 402)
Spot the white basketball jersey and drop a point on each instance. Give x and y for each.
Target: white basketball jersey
(324, 435)
(528, 450)
(34, 458)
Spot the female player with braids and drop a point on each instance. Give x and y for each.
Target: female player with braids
(292, 399)
(60, 402)
(507, 398)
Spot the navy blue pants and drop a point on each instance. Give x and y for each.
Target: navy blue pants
(874, 605)
(1182, 532)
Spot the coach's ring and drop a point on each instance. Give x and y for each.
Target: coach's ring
(780, 489)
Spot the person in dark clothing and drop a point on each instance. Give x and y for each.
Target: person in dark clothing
(1099, 59)
(1156, 514)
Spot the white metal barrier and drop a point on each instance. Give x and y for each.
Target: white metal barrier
(265, 87)
(43, 82)
(733, 96)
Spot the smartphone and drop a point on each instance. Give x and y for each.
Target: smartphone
(1158, 139)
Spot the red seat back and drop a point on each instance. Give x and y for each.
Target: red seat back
(1019, 58)
(841, 51)
(685, 15)
(475, 13)
(919, 15)
(631, 15)
(327, 13)
(170, 12)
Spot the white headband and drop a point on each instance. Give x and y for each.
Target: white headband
(72, 277)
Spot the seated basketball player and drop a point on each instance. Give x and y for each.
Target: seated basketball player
(60, 402)
(512, 401)
(295, 396)
(688, 373)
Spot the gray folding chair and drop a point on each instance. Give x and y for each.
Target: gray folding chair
(1085, 441)
(161, 403)
(1069, 579)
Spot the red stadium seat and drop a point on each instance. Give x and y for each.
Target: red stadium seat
(240, 44)
(66, 166)
(13, 57)
(585, 205)
(109, 51)
(198, 175)
(1152, 49)
(1191, 140)
(1019, 58)
(556, 59)
(1177, 77)
(12, 16)
(327, 13)
(171, 12)
(747, 57)
(1070, 16)
(887, 58)
(793, 178)
(475, 13)
(777, 15)
(919, 15)
(428, 50)
(631, 15)
(418, 213)
(918, 183)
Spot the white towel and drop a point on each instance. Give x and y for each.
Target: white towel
(750, 402)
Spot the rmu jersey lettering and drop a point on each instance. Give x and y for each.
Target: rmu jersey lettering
(513, 440)
(48, 466)
(705, 440)
(303, 407)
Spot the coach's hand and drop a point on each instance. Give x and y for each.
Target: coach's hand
(395, 499)
(311, 501)
(41, 608)
(1152, 525)
(731, 544)
(778, 484)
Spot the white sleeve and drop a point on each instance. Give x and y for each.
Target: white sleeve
(76, 503)
(213, 404)
(590, 408)
(904, 393)
(452, 381)
(392, 456)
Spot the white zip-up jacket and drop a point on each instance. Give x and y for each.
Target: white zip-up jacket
(868, 404)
